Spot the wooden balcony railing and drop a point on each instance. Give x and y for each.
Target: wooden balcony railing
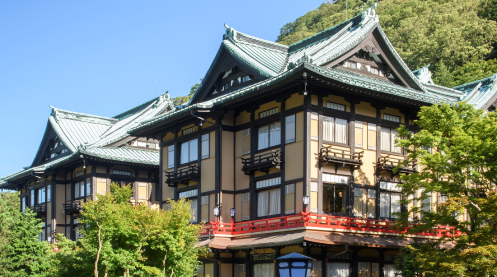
(324, 222)
(40, 210)
(182, 176)
(262, 162)
(388, 163)
(72, 207)
(340, 157)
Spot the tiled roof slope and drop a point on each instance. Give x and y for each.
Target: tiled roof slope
(91, 135)
(479, 93)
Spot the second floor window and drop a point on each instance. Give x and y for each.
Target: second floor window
(388, 137)
(41, 195)
(389, 204)
(269, 135)
(189, 151)
(170, 156)
(32, 198)
(335, 130)
(191, 195)
(268, 201)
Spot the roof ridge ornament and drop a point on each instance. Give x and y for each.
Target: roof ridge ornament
(230, 32)
(424, 74)
(369, 14)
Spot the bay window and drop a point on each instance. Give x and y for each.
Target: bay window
(335, 130)
(388, 136)
(269, 200)
(269, 135)
(189, 151)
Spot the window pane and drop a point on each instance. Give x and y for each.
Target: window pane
(274, 201)
(193, 209)
(88, 187)
(49, 193)
(338, 270)
(358, 202)
(264, 270)
(328, 129)
(262, 203)
(193, 150)
(371, 203)
(396, 149)
(340, 199)
(246, 206)
(290, 199)
(290, 129)
(328, 198)
(184, 152)
(170, 156)
(246, 141)
(76, 190)
(384, 204)
(341, 130)
(263, 137)
(385, 139)
(275, 133)
(205, 146)
(395, 199)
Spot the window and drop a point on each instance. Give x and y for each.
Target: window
(200, 270)
(334, 199)
(204, 208)
(335, 106)
(358, 134)
(245, 79)
(170, 156)
(49, 193)
(268, 183)
(121, 172)
(246, 206)
(389, 270)
(88, 186)
(205, 146)
(187, 131)
(246, 141)
(32, 198)
(240, 270)
(317, 268)
(269, 135)
(68, 192)
(79, 189)
(268, 202)
(49, 235)
(189, 151)
(290, 129)
(41, 195)
(338, 269)
(290, 199)
(265, 269)
(268, 112)
(76, 228)
(389, 204)
(365, 267)
(23, 204)
(335, 130)
(41, 236)
(388, 136)
(352, 65)
(426, 203)
(141, 144)
(390, 117)
(371, 136)
(79, 173)
(192, 197)
(333, 178)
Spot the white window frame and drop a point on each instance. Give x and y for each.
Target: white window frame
(330, 130)
(270, 133)
(190, 144)
(391, 134)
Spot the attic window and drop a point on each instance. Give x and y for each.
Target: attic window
(352, 65)
(121, 172)
(390, 117)
(187, 131)
(245, 79)
(335, 106)
(268, 112)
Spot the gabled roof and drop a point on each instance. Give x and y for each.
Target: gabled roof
(91, 135)
(479, 93)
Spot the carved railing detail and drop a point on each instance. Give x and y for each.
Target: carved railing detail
(182, 176)
(340, 157)
(72, 207)
(388, 163)
(262, 162)
(40, 210)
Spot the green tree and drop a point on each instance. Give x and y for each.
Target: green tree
(21, 253)
(184, 99)
(461, 172)
(474, 71)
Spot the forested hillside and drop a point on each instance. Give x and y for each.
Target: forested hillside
(458, 38)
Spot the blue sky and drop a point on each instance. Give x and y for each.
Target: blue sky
(104, 57)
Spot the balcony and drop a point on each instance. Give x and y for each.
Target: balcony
(323, 222)
(182, 176)
(73, 207)
(388, 163)
(340, 157)
(40, 210)
(262, 162)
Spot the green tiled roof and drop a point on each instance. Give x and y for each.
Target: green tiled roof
(479, 93)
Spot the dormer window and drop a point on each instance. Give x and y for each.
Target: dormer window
(352, 65)
(245, 79)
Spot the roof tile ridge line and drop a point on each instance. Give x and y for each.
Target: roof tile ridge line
(455, 91)
(105, 134)
(357, 80)
(332, 38)
(477, 81)
(320, 33)
(247, 54)
(355, 40)
(255, 64)
(472, 93)
(60, 133)
(209, 70)
(400, 60)
(231, 32)
(84, 114)
(492, 92)
(449, 93)
(151, 100)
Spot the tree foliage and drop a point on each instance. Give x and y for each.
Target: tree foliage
(461, 172)
(123, 239)
(446, 34)
(21, 253)
(184, 99)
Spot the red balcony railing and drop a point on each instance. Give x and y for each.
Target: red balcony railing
(330, 222)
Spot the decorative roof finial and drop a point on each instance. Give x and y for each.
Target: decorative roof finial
(230, 32)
